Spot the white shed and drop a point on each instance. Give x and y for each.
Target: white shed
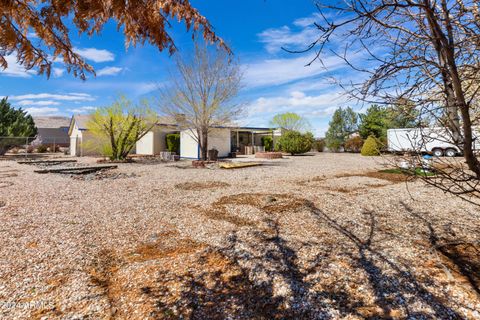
(82, 143)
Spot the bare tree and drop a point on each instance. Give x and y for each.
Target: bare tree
(202, 93)
(426, 51)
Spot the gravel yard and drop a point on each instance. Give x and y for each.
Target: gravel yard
(308, 237)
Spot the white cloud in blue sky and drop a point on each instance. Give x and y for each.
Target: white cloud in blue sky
(96, 55)
(109, 71)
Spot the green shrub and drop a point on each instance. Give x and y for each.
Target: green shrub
(354, 144)
(370, 147)
(294, 142)
(319, 145)
(267, 142)
(173, 142)
(42, 148)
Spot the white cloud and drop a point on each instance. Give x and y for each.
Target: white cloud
(280, 71)
(42, 111)
(96, 55)
(14, 69)
(38, 103)
(109, 71)
(276, 38)
(58, 72)
(298, 37)
(307, 21)
(65, 97)
(297, 101)
(83, 109)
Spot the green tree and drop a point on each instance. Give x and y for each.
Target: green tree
(118, 127)
(295, 142)
(267, 142)
(290, 121)
(14, 123)
(404, 114)
(344, 122)
(375, 121)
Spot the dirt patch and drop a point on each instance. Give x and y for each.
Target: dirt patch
(198, 186)
(222, 209)
(464, 260)
(159, 250)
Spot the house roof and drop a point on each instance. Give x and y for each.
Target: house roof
(51, 122)
(81, 120)
(166, 120)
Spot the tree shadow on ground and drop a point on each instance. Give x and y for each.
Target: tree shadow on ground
(260, 276)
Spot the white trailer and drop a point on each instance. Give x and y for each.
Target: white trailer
(436, 141)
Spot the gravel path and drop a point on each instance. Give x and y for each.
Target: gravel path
(312, 237)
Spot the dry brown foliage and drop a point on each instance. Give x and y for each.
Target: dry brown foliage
(140, 21)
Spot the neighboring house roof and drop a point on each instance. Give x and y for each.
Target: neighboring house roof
(81, 120)
(51, 122)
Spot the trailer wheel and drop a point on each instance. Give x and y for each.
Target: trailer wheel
(450, 152)
(437, 152)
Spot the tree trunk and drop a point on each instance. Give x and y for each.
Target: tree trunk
(204, 145)
(446, 53)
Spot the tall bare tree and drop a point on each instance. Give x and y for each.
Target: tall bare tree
(140, 20)
(202, 94)
(426, 51)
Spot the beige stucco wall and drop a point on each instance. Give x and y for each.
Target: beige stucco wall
(220, 139)
(217, 138)
(154, 141)
(146, 144)
(188, 145)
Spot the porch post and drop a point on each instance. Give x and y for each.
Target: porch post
(238, 141)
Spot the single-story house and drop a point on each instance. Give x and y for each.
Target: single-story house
(52, 130)
(228, 139)
(82, 143)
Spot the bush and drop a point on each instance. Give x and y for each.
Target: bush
(294, 142)
(370, 147)
(53, 148)
(173, 142)
(267, 142)
(319, 145)
(354, 144)
(42, 148)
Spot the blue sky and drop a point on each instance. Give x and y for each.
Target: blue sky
(275, 81)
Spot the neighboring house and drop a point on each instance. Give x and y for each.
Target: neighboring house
(82, 143)
(52, 130)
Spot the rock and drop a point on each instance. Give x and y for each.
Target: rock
(270, 199)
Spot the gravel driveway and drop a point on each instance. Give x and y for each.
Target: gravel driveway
(311, 237)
